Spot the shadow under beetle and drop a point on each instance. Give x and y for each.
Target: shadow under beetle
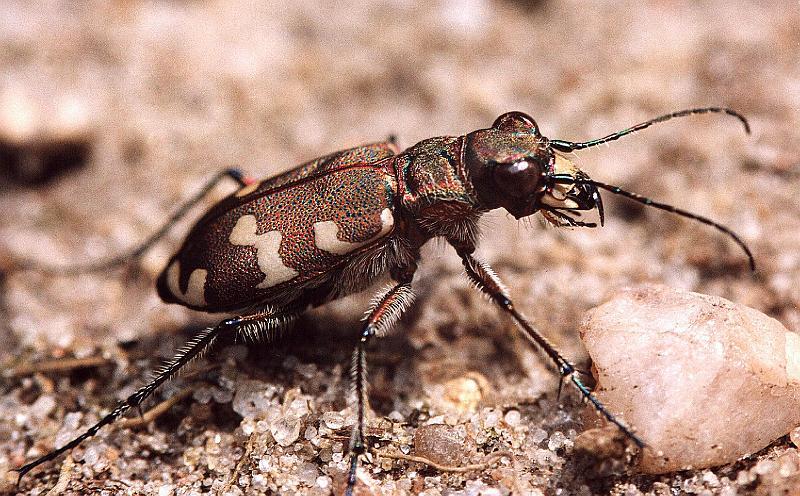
(331, 226)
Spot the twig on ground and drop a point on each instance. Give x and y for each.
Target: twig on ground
(57, 365)
(157, 410)
(490, 459)
(248, 450)
(64, 477)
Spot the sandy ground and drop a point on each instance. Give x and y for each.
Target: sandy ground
(113, 112)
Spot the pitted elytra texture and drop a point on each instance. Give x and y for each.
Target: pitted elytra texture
(264, 251)
(326, 235)
(360, 155)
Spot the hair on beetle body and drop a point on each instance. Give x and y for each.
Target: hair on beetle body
(332, 226)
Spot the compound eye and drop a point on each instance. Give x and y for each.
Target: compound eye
(516, 122)
(518, 179)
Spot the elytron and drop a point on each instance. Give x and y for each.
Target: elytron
(334, 225)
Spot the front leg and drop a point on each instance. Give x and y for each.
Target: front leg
(486, 280)
(386, 311)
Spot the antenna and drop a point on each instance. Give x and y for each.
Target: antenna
(679, 211)
(569, 146)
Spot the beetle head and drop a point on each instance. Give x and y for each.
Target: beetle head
(513, 166)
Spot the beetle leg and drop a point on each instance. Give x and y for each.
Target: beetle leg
(487, 281)
(267, 324)
(193, 349)
(386, 310)
(116, 261)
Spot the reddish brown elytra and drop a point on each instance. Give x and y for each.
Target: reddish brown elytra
(330, 227)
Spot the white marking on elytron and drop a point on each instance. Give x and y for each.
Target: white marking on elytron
(326, 235)
(267, 246)
(195, 289)
(246, 190)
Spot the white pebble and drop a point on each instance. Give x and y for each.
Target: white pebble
(253, 398)
(43, 406)
(333, 420)
(286, 430)
(694, 374)
(538, 435)
(512, 418)
(491, 418)
(556, 441)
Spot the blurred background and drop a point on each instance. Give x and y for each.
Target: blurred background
(112, 113)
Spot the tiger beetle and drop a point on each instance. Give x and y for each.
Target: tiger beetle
(332, 226)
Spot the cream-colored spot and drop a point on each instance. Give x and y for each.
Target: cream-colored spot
(244, 232)
(559, 203)
(564, 165)
(195, 289)
(558, 196)
(792, 348)
(326, 235)
(246, 190)
(267, 246)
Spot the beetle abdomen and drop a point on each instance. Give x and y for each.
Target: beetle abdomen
(248, 253)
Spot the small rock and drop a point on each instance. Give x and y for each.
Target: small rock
(464, 394)
(512, 418)
(286, 430)
(253, 398)
(166, 490)
(556, 441)
(333, 420)
(491, 417)
(43, 406)
(307, 473)
(443, 444)
(538, 435)
(703, 380)
(602, 452)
